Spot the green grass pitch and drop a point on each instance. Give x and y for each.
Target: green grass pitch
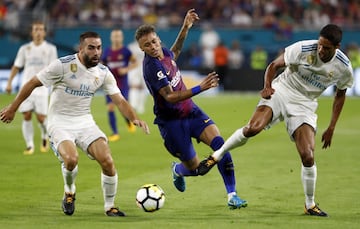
(267, 171)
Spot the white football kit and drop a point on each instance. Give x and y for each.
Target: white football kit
(33, 58)
(138, 91)
(73, 87)
(303, 81)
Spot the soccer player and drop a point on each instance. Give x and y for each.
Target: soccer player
(75, 79)
(120, 61)
(311, 66)
(178, 118)
(138, 92)
(32, 57)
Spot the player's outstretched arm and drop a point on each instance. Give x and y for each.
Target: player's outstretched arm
(190, 18)
(126, 109)
(338, 104)
(7, 114)
(210, 81)
(13, 72)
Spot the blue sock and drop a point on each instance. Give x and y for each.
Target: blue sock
(183, 171)
(225, 165)
(112, 122)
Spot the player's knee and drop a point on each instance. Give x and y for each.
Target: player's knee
(307, 159)
(108, 166)
(252, 129)
(70, 161)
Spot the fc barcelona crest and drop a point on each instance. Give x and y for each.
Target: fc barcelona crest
(73, 68)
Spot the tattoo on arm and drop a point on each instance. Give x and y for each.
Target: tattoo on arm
(179, 42)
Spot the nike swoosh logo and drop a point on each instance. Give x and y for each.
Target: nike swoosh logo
(207, 120)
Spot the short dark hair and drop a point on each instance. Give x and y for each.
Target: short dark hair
(333, 33)
(143, 30)
(88, 34)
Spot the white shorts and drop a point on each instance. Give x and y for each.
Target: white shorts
(81, 137)
(37, 103)
(292, 108)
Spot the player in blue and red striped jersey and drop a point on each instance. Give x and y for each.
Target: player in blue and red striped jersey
(179, 119)
(120, 61)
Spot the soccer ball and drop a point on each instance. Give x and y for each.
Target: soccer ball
(150, 197)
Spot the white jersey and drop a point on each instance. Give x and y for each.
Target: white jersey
(73, 87)
(306, 74)
(33, 58)
(135, 76)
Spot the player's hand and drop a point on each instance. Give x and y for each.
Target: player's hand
(190, 18)
(267, 92)
(8, 88)
(7, 115)
(326, 138)
(143, 125)
(123, 71)
(211, 80)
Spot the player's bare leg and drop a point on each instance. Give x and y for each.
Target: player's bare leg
(261, 117)
(100, 150)
(69, 170)
(304, 138)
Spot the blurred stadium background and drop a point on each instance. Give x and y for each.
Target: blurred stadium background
(253, 31)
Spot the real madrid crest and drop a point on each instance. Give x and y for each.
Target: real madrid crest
(73, 67)
(97, 81)
(311, 59)
(331, 74)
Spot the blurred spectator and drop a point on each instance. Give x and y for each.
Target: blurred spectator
(193, 58)
(353, 52)
(221, 61)
(209, 39)
(316, 17)
(12, 17)
(93, 12)
(167, 13)
(241, 18)
(65, 13)
(269, 21)
(339, 17)
(258, 58)
(236, 55)
(3, 10)
(285, 26)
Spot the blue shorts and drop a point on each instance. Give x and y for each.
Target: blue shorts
(178, 133)
(124, 92)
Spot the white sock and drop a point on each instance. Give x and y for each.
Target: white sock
(231, 194)
(69, 178)
(235, 140)
(308, 178)
(43, 130)
(28, 133)
(109, 186)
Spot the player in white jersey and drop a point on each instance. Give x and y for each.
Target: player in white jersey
(74, 80)
(138, 92)
(33, 57)
(310, 67)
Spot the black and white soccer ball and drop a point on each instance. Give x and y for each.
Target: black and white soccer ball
(150, 197)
